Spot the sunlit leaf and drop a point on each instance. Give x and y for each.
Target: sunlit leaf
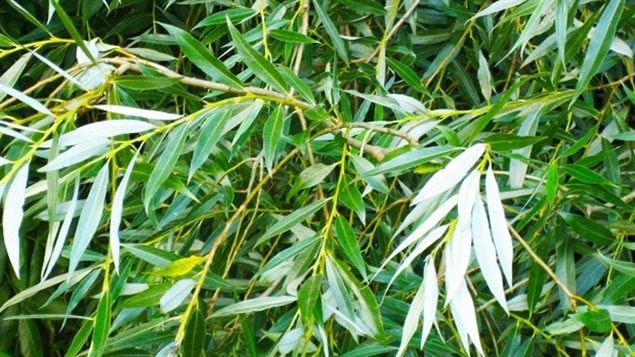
(138, 112)
(498, 223)
(165, 164)
(451, 175)
(116, 213)
(255, 304)
(12, 216)
(176, 295)
(90, 217)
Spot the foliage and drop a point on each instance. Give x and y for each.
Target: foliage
(317, 177)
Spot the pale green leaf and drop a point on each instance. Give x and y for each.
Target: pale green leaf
(451, 175)
(12, 74)
(77, 154)
(12, 215)
(272, 133)
(90, 217)
(255, 304)
(138, 112)
(176, 295)
(165, 164)
(37, 106)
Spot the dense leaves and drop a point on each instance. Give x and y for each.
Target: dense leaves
(317, 177)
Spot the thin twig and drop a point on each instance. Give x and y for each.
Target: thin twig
(201, 83)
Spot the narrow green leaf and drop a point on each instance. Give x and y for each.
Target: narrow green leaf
(211, 132)
(585, 175)
(298, 84)
(290, 36)
(506, 142)
(272, 134)
(12, 215)
(102, 325)
(624, 267)
(194, 339)
(31, 291)
(599, 45)
(143, 83)
(349, 244)
(90, 217)
(236, 15)
(352, 198)
(588, 229)
(81, 336)
(253, 305)
(309, 177)
(338, 43)
(165, 164)
(148, 297)
(257, 62)
(202, 57)
(409, 160)
(625, 136)
(407, 74)
(308, 296)
(290, 253)
(562, 15)
(289, 221)
(247, 125)
(368, 6)
(72, 30)
(27, 14)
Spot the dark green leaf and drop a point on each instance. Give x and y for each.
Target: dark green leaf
(349, 244)
(194, 339)
(506, 142)
(330, 28)
(290, 36)
(257, 62)
(236, 15)
(585, 175)
(202, 57)
(587, 229)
